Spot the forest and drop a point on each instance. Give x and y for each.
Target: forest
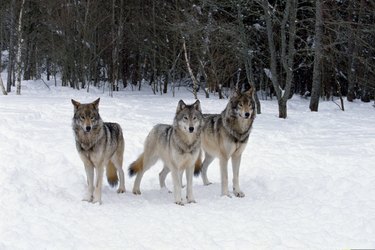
(319, 49)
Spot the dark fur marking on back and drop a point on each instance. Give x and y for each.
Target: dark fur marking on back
(167, 129)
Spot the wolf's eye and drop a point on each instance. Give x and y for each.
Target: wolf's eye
(194, 118)
(82, 117)
(240, 105)
(92, 118)
(185, 118)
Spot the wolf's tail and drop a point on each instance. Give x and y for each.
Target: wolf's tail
(198, 165)
(136, 166)
(112, 177)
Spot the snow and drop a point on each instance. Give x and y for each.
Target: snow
(309, 179)
(258, 26)
(268, 73)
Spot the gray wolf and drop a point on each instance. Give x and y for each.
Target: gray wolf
(225, 136)
(98, 144)
(177, 145)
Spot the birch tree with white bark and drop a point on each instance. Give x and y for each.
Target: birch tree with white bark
(19, 51)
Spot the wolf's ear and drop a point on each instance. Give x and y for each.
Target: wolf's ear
(250, 92)
(197, 105)
(235, 93)
(96, 103)
(180, 106)
(75, 104)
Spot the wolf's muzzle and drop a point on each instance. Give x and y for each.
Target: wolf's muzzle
(88, 129)
(191, 129)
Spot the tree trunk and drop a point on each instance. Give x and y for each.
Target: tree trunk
(166, 79)
(83, 70)
(195, 82)
(172, 71)
(11, 46)
(114, 50)
(317, 71)
(117, 32)
(1, 83)
(205, 76)
(27, 60)
(19, 50)
(272, 49)
(290, 14)
(248, 58)
(340, 95)
(48, 66)
(1, 56)
(250, 77)
(220, 91)
(154, 69)
(282, 108)
(353, 50)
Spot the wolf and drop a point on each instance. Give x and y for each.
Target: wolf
(177, 145)
(225, 136)
(98, 144)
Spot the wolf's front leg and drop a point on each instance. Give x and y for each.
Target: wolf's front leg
(224, 177)
(189, 181)
(90, 183)
(177, 187)
(236, 162)
(98, 184)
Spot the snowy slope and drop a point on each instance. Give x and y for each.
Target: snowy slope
(309, 180)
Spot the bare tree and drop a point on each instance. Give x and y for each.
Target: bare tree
(140, 42)
(247, 54)
(117, 36)
(195, 82)
(353, 47)
(282, 84)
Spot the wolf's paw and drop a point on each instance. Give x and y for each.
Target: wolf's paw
(98, 200)
(165, 190)
(121, 190)
(179, 203)
(207, 183)
(88, 198)
(226, 195)
(97, 196)
(136, 192)
(191, 201)
(239, 194)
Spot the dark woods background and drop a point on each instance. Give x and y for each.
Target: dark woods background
(206, 45)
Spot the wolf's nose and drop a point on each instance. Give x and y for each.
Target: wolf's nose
(191, 129)
(88, 128)
(247, 114)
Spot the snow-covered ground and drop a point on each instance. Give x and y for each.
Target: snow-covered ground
(309, 180)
